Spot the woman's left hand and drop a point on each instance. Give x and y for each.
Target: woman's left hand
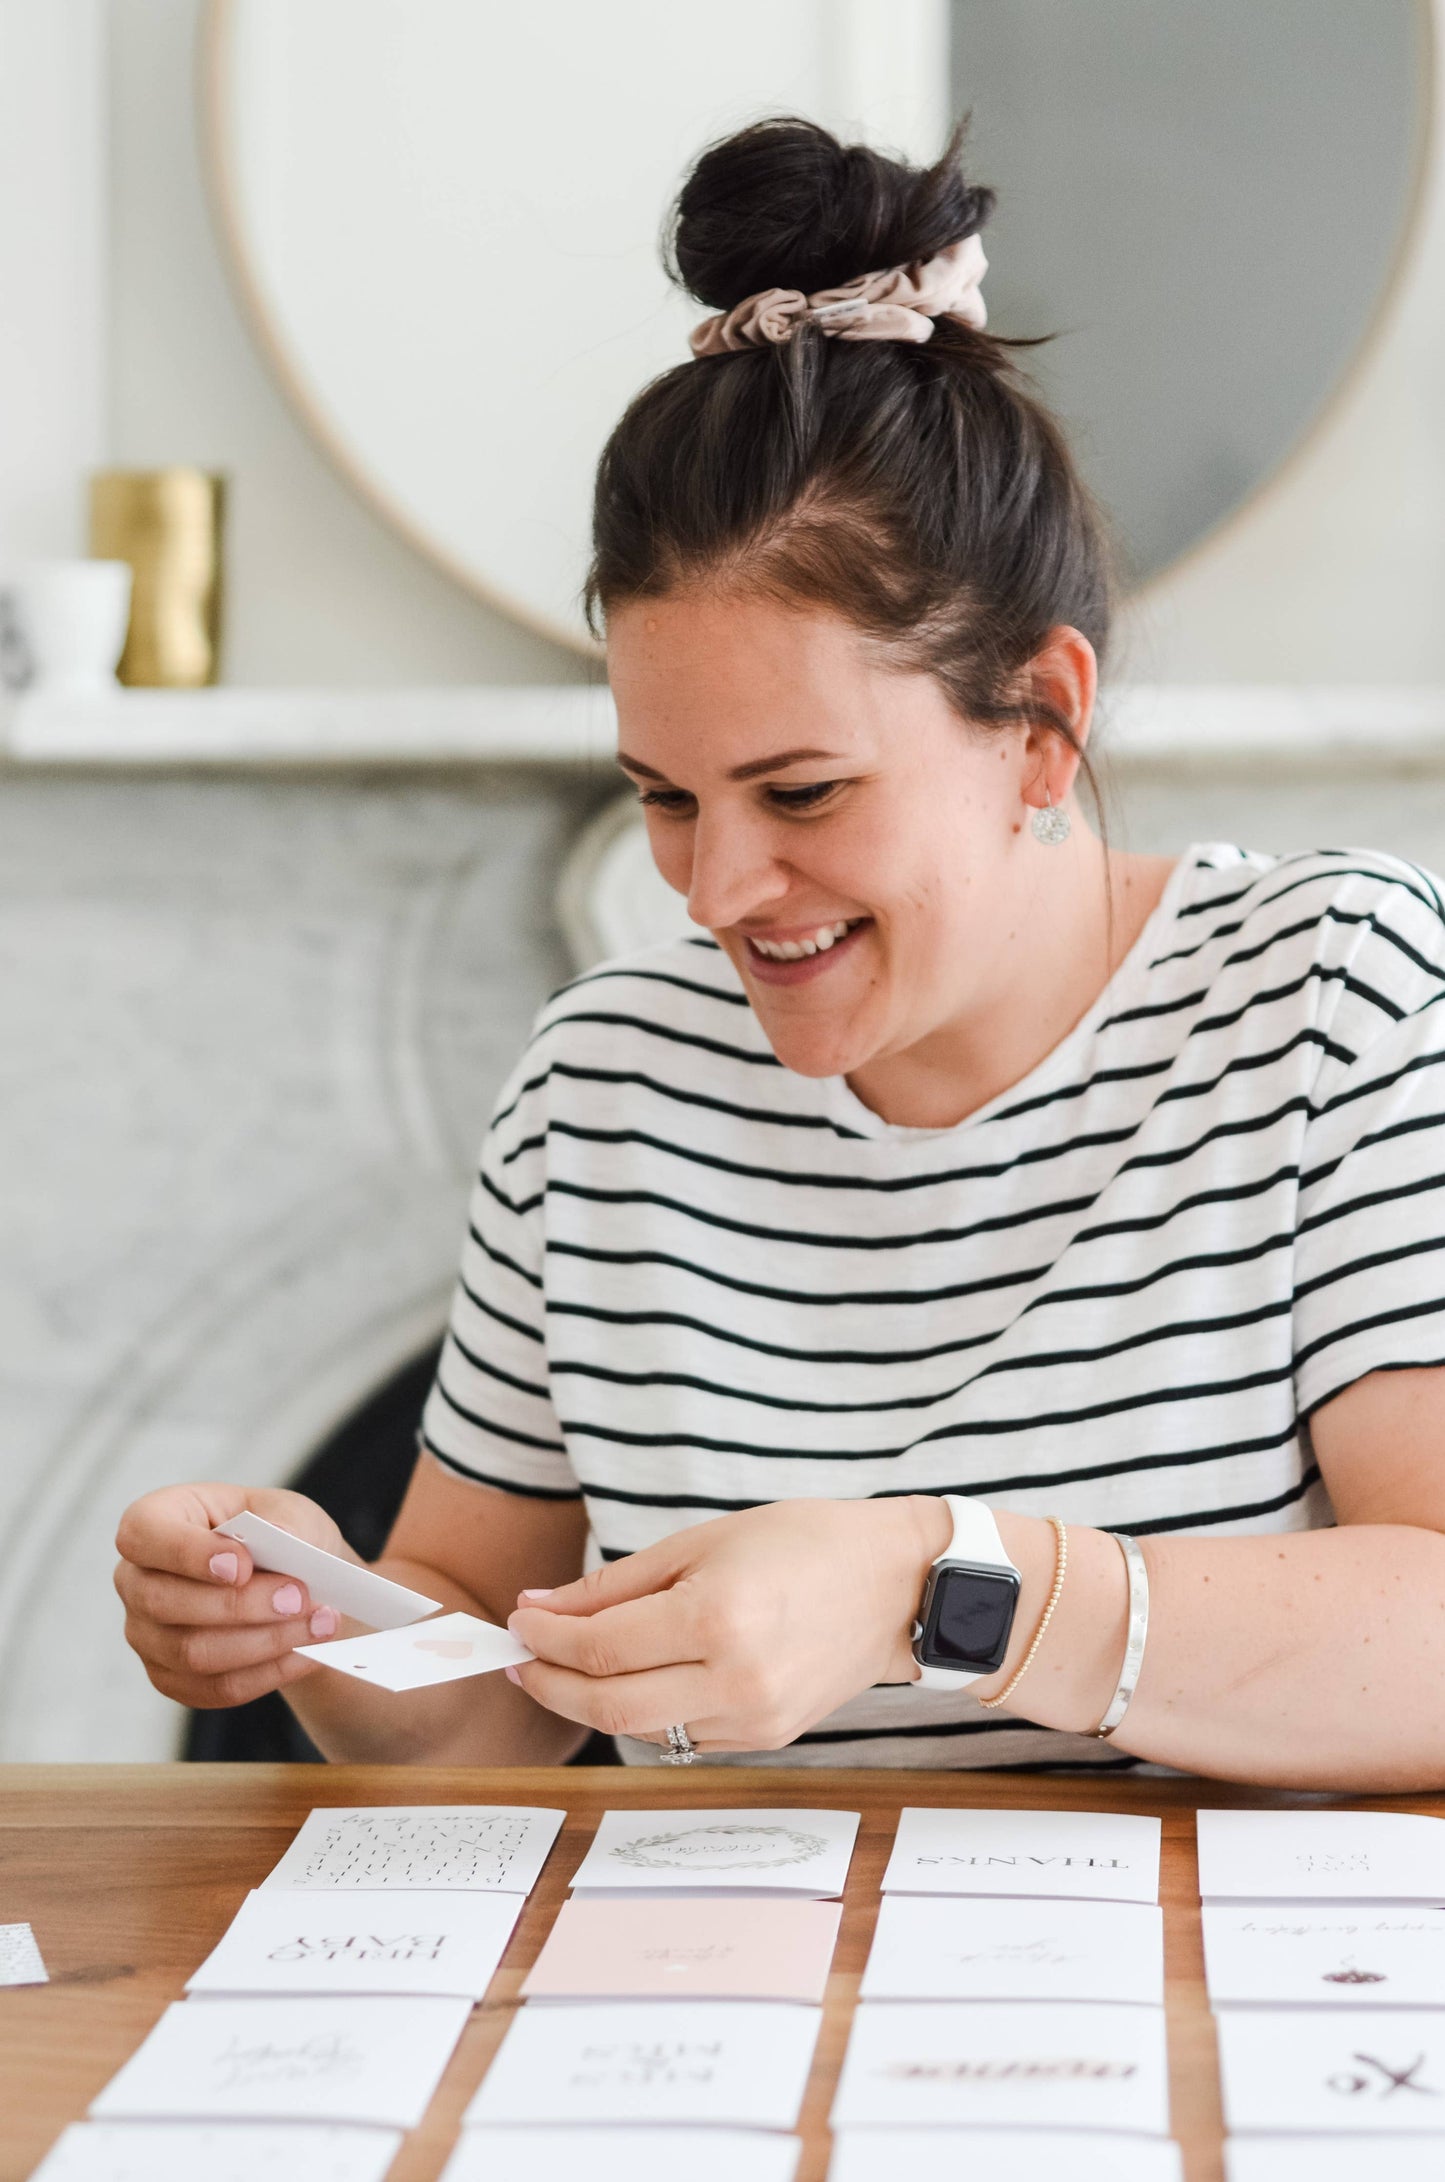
(748, 1629)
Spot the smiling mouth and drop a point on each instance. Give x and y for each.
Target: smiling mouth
(799, 961)
(816, 943)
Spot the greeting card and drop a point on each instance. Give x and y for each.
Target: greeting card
(675, 1947)
(1105, 1856)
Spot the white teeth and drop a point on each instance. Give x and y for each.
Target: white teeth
(793, 950)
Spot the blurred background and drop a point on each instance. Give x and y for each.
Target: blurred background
(313, 317)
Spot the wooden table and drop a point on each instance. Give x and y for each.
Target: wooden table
(130, 1874)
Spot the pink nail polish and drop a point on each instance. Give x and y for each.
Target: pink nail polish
(225, 1567)
(324, 1621)
(537, 1594)
(287, 1600)
(512, 1676)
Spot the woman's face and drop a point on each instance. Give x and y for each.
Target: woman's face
(861, 854)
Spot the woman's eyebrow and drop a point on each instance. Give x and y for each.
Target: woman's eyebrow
(750, 771)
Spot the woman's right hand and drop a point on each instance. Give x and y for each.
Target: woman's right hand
(210, 1629)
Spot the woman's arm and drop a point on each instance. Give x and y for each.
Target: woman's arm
(1314, 1659)
(214, 1631)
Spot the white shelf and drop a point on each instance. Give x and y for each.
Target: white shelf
(574, 726)
(565, 726)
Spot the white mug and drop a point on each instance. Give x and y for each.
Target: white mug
(63, 624)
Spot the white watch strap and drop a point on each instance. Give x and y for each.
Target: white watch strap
(975, 1538)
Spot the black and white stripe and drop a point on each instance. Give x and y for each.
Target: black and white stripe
(696, 1282)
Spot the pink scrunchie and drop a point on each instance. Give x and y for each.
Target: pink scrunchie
(899, 305)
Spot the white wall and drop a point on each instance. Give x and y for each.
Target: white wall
(52, 270)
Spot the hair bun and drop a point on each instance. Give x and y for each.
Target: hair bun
(782, 204)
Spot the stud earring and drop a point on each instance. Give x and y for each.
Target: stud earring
(1052, 824)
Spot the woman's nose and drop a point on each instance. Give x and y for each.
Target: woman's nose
(733, 875)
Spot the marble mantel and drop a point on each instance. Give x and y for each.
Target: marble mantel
(265, 958)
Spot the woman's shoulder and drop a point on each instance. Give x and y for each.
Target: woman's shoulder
(1358, 931)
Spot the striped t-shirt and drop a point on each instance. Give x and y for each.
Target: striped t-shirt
(694, 1281)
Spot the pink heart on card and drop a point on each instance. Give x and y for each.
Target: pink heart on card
(445, 1647)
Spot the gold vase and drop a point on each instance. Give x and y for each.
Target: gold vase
(167, 524)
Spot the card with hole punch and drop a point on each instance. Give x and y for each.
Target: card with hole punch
(359, 1593)
(446, 1649)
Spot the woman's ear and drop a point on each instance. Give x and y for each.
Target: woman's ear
(1064, 675)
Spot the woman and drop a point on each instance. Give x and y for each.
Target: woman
(971, 1192)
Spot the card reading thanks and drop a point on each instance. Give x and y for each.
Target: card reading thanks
(1101, 1856)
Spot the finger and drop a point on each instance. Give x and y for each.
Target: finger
(656, 1631)
(630, 1704)
(174, 1531)
(183, 1604)
(634, 1577)
(208, 1653)
(238, 1688)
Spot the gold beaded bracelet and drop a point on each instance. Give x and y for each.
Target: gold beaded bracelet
(1061, 1564)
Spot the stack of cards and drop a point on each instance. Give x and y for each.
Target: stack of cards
(1015, 1986)
(1324, 1943)
(681, 1985)
(321, 2024)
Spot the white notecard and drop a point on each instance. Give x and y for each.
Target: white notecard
(926, 1947)
(1325, 2069)
(680, 2061)
(997, 2155)
(1102, 1856)
(1329, 2159)
(249, 2151)
(331, 1581)
(287, 1941)
(20, 1962)
(966, 2064)
(796, 1852)
(625, 2155)
(483, 1846)
(375, 2061)
(1280, 1856)
(449, 1648)
(1352, 1955)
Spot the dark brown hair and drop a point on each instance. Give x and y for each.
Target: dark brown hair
(921, 491)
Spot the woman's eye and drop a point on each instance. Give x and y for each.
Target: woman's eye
(664, 799)
(805, 798)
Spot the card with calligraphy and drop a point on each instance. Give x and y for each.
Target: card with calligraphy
(973, 2065)
(1330, 2069)
(972, 1948)
(1300, 1954)
(789, 1852)
(675, 1947)
(1336, 1856)
(375, 2061)
(686, 2062)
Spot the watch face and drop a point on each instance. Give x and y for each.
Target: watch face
(969, 1618)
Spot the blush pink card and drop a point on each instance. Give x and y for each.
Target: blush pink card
(674, 1947)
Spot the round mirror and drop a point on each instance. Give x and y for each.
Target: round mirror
(445, 220)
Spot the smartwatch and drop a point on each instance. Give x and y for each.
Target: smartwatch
(969, 1602)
